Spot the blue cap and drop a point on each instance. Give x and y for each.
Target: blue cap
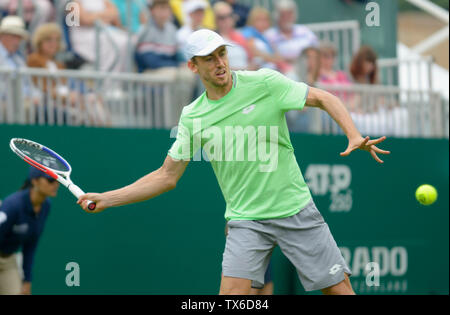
(35, 173)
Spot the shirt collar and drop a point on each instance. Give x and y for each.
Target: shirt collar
(3, 52)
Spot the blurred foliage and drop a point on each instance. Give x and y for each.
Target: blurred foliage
(404, 5)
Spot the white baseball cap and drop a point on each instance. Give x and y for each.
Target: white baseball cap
(194, 5)
(203, 42)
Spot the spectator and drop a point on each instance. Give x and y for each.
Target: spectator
(46, 43)
(308, 66)
(290, 38)
(307, 69)
(239, 53)
(240, 11)
(328, 74)
(182, 17)
(265, 56)
(157, 52)
(113, 48)
(375, 115)
(35, 12)
(157, 40)
(12, 33)
(196, 11)
(364, 66)
(138, 17)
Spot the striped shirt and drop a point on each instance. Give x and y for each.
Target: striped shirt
(291, 47)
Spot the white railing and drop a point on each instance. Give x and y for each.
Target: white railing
(389, 110)
(410, 73)
(87, 98)
(150, 101)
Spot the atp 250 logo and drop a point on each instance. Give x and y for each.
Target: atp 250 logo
(332, 180)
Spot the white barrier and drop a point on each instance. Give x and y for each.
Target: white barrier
(87, 98)
(149, 101)
(388, 110)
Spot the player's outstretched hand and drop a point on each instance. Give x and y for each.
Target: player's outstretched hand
(367, 145)
(97, 198)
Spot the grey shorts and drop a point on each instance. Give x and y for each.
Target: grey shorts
(304, 239)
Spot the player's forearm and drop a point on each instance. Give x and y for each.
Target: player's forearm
(147, 187)
(337, 110)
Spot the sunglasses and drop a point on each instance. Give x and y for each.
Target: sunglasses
(50, 180)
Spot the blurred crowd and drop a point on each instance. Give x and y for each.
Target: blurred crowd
(159, 28)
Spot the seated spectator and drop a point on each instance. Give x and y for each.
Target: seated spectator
(157, 52)
(182, 17)
(308, 66)
(265, 56)
(239, 55)
(113, 48)
(376, 114)
(290, 38)
(196, 11)
(328, 74)
(240, 11)
(307, 69)
(364, 66)
(12, 33)
(35, 12)
(61, 93)
(46, 43)
(157, 40)
(138, 18)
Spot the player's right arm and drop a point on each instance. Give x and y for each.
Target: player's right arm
(151, 185)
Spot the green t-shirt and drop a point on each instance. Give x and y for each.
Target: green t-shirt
(245, 137)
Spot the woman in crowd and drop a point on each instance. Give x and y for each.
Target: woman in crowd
(239, 55)
(306, 69)
(364, 66)
(46, 43)
(66, 96)
(265, 56)
(328, 73)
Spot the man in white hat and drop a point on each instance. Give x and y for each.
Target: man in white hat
(195, 9)
(268, 201)
(12, 34)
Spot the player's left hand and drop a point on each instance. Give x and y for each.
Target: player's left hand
(367, 145)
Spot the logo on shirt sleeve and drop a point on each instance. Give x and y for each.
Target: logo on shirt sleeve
(249, 109)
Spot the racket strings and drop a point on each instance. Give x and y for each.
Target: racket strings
(37, 154)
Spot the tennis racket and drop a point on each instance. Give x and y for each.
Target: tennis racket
(49, 162)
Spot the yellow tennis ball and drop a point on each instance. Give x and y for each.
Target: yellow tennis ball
(426, 194)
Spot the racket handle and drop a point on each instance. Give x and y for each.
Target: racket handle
(74, 189)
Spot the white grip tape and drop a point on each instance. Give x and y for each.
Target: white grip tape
(74, 189)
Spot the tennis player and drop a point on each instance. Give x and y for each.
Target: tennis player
(268, 201)
(22, 219)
